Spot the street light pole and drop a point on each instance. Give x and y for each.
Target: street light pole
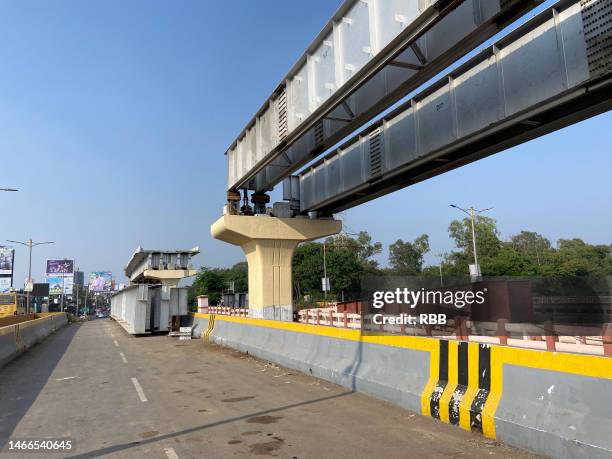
(441, 255)
(472, 213)
(29, 244)
(325, 272)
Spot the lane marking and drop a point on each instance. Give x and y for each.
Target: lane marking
(171, 453)
(123, 357)
(138, 387)
(116, 343)
(65, 379)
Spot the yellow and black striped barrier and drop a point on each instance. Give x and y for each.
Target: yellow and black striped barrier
(210, 328)
(459, 383)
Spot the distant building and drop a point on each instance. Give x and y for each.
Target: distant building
(79, 278)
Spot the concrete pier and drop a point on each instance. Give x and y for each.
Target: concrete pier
(268, 243)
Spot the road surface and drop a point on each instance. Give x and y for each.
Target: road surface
(115, 395)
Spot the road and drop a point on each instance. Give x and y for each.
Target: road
(120, 396)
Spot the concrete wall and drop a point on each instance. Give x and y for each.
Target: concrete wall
(555, 404)
(15, 339)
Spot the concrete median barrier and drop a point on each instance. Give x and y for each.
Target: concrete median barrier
(550, 403)
(17, 338)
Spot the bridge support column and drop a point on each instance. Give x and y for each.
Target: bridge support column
(268, 243)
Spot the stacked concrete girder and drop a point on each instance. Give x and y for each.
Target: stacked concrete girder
(166, 267)
(269, 243)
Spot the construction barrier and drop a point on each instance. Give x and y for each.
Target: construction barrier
(17, 338)
(552, 403)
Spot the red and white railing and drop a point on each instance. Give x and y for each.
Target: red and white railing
(226, 311)
(329, 317)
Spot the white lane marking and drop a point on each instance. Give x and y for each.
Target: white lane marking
(138, 387)
(123, 357)
(171, 453)
(116, 343)
(64, 379)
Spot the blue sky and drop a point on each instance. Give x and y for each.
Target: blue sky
(114, 117)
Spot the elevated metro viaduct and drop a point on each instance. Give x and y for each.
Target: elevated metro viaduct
(550, 72)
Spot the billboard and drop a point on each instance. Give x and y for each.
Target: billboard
(5, 284)
(59, 283)
(100, 281)
(7, 255)
(60, 268)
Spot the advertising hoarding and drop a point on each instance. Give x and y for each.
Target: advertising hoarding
(100, 281)
(7, 255)
(57, 283)
(5, 284)
(60, 268)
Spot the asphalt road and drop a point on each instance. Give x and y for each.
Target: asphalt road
(114, 395)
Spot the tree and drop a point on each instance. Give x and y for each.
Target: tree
(406, 258)
(209, 281)
(509, 262)
(487, 236)
(347, 260)
(362, 245)
(574, 257)
(239, 276)
(531, 244)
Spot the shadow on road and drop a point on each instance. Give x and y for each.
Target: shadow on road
(125, 446)
(23, 379)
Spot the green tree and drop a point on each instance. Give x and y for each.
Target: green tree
(239, 276)
(487, 236)
(532, 245)
(508, 261)
(362, 245)
(347, 260)
(406, 258)
(209, 281)
(574, 257)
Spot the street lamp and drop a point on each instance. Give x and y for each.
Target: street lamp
(8, 189)
(29, 244)
(472, 213)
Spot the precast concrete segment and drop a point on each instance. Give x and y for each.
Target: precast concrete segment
(548, 402)
(268, 244)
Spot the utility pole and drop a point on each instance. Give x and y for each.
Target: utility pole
(472, 213)
(29, 244)
(441, 256)
(325, 282)
(63, 288)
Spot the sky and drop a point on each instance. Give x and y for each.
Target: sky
(115, 116)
